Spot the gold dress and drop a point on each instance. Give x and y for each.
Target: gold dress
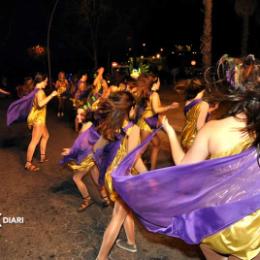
(37, 115)
(121, 153)
(241, 239)
(148, 112)
(190, 130)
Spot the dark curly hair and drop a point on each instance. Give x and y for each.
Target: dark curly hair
(239, 95)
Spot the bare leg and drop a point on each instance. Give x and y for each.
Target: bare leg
(36, 136)
(78, 179)
(155, 151)
(119, 214)
(129, 227)
(44, 141)
(211, 254)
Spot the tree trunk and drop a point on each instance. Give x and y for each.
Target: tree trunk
(206, 39)
(245, 35)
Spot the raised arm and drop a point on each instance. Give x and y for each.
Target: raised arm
(199, 150)
(156, 104)
(42, 100)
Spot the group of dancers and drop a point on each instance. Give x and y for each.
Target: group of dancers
(211, 199)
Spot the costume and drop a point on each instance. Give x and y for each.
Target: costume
(193, 202)
(149, 118)
(83, 158)
(241, 239)
(18, 110)
(189, 131)
(37, 115)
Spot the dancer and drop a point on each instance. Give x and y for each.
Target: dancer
(116, 112)
(216, 202)
(149, 99)
(37, 122)
(81, 160)
(61, 85)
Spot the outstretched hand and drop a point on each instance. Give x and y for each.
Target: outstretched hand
(65, 151)
(174, 105)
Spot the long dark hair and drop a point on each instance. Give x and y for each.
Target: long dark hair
(39, 77)
(194, 86)
(239, 96)
(112, 112)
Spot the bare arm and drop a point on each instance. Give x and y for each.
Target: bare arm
(4, 92)
(42, 100)
(156, 104)
(198, 152)
(133, 141)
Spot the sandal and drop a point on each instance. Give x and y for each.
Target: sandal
(85, 204)
(44, 158)
(31, 167)
(105, 201)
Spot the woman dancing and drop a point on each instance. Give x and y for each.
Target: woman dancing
(116, 112)
(37, 122)
(216, 202)
(149, 100)
(236, 131)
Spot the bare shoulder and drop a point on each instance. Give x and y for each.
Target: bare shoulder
(204, 104)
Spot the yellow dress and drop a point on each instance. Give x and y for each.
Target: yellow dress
(148, 112)
(190, 130)
(121, 153)
(241, 239)
(37, 115)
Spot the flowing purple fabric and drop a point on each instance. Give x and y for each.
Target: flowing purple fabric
(152, 121)
(193, 201)
(104, 157)
(191, 105)
(19, 110)
(82, 146)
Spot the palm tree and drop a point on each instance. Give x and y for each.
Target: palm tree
(245, 9)
(206, 39)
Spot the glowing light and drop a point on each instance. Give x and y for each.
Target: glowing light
(135, 73)
(142, 57)
(114, 64)
(158, 55)
(173, 52)
(153, 57)
(161, 49)
(193, 63)
(129, 49)
(144, 44)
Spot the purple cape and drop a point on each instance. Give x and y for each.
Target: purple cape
(82, 146)
(193, 201)
(152, 121)
(19, 110)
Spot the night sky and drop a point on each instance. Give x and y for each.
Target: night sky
(160, 24)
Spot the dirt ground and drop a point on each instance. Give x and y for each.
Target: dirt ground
(48, 200)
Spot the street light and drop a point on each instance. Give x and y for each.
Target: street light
(48, 39)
